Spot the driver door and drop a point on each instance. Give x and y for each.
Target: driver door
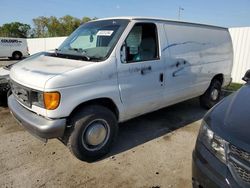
(141, 70)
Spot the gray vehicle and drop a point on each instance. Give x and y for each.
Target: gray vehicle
(221, 157)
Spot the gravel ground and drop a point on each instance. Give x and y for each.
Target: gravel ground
(154, 150)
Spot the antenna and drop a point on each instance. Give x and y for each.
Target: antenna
(179, 12)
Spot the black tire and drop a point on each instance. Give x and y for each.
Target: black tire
(17, 55)
(3, 99)
(209, 99)
(82, 121)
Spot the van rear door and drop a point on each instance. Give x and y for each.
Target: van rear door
(4, 47)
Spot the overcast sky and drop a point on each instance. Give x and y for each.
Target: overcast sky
(227, 13)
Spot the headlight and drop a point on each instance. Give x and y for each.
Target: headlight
(213, 142)
(47, 100)
(37, 98)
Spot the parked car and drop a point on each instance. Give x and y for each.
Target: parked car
(4, 80)
(112, 70)
(221, 157)
(13, 48)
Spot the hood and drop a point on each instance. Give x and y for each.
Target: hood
(4, 73)
(36, 70)
(230, 119)
(8, 67)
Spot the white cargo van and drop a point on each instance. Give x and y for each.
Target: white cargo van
(112, 70)
(13, 48)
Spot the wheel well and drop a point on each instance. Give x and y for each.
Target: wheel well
(106, 102)
(218, 77)
(17, 52)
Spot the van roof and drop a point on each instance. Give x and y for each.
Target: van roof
(161, 20)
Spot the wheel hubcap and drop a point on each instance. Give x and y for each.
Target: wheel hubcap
(215, 94)
(17, 56)
(96, 133)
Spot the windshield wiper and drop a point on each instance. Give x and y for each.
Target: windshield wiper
(57, 50)
(81, 51)
(8, 67)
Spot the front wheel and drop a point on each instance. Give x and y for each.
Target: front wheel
(17, 55)
(93, 131)
(212, 95)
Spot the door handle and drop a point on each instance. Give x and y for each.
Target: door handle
(145, 70)
(161, 77)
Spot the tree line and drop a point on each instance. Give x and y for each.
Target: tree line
(43, 27)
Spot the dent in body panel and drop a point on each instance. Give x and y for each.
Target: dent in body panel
(39, 72)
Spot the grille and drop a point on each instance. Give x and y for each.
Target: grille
(237, 157)
(21, 93)
(240, 153)
(242, 173)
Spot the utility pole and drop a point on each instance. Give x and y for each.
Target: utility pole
(179, 12)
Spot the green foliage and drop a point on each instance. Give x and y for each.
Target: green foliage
(234, 87)
(69, 24)
(55, 27)
(43, 27)
(40, 29)
(86, 19)
(15, 29)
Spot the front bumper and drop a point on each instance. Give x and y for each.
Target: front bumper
(208, 171)
(38, 126)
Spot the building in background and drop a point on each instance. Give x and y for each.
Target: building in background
(241, 44)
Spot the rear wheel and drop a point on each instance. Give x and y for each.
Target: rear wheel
(212, 95)
(17, 55)
(93, 131)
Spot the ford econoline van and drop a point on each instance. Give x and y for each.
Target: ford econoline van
(111, 70)
(13, 48)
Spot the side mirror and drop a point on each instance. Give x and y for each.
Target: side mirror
(246, 77)
(123, 53)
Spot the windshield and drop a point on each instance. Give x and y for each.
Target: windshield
(93, 40)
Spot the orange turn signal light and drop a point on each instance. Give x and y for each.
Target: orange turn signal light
(51, 100)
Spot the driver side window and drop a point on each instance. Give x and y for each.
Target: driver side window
(141, 43)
